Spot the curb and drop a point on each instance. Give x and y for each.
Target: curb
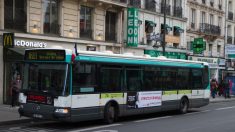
(3, 123)
(223, 100)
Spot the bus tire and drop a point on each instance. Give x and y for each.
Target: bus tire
(110, 114)
(184, 105)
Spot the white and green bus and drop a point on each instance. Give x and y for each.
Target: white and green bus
(58, 85)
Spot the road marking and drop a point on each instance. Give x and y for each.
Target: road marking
(106, 131)
(225, 108)
(153, 119)
(14, 128)
(93, 128)
(198, 112)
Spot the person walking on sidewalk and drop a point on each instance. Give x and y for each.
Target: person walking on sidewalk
(214, 86)
(226, 89)
(16, 86)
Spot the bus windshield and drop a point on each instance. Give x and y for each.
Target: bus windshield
(45, 77)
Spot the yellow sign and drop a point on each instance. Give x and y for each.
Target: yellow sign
(111, 95)
(8, 40)
(172, 39)
(169, 92)
(184, 91)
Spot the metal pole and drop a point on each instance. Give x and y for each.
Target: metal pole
(164, 31)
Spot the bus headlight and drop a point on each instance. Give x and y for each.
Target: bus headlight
(62, 110)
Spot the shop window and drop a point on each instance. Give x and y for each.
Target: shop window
(15, 15)
(110, 26)
(85, 22)
(51, 14)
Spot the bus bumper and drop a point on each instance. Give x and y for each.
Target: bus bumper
(44, 112)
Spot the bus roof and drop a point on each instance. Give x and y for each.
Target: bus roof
(128, 58)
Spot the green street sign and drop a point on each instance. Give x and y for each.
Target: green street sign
(132, 27)
(198, 45)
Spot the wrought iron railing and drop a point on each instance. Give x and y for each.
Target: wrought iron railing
(167, 9)
(135, 3)
(178, 11)
(121, 1)
(209, 29)
(192, 25)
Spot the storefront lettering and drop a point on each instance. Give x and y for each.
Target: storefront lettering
(23, 43)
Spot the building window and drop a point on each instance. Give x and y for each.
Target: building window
(110, 26)
(203, 17)
(220, 22)
(218, 49)
(85, 22)
(211, 19)
(15, 15)
(193, 15)
(51, 14)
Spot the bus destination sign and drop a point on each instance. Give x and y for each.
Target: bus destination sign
(45, 55)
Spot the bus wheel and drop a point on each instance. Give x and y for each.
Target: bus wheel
(184, 105)
(109, 114)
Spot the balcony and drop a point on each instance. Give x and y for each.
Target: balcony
(150, 5)
(192, 25)
(229, 39)
(167, 9)
(178, 11)
(135, 3)
(230, 15)
(210, 29)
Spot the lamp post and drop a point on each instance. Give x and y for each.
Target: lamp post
(164, 30)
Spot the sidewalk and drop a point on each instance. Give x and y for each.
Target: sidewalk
(10, 115)
(221, 99)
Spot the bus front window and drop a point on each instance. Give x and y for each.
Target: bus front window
(41, 77)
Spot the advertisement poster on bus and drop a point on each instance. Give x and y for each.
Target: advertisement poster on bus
(144, 99)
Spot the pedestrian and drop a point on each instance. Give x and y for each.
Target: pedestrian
(221, 88)
(226, 89)
(213, 87)
(15, 88)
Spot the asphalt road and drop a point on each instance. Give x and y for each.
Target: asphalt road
(216, 117)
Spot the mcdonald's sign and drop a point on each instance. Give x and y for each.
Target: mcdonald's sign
(8, 40)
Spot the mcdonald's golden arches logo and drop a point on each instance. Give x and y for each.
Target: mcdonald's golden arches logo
(8, 40)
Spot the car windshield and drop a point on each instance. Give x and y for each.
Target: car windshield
(44, 77)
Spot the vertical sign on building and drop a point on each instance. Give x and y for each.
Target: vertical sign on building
(132, 27)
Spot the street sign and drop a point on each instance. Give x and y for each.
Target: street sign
(198, 45)
(8, 40)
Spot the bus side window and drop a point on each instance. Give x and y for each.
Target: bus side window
(197, 78)
(134, 80)
(111, 79)
(84, 77)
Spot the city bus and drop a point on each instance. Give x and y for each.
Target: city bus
(63, 86)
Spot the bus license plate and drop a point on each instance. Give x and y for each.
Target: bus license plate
(37, 116)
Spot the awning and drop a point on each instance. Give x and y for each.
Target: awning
(167, 27)
(150, 23)
(178, 29)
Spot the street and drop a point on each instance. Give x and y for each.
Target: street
(216, 117)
